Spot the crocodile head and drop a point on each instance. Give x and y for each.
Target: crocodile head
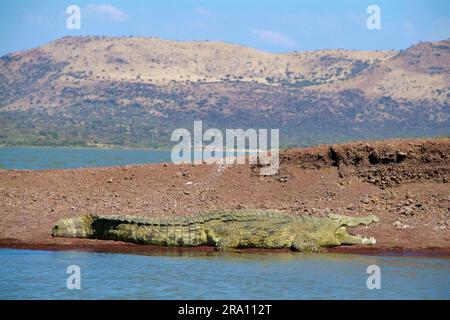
(342, 222)
(79, 227)
(334, 233)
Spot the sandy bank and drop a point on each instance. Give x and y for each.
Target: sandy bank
(404, 182)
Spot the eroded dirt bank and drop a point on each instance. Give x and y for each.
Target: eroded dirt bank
(404, 182)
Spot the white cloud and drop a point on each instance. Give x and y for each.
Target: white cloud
(203, 12)
(274, 38)
(107, 11)
(408, 27)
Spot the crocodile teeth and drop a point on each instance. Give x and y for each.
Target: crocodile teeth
(370, 240)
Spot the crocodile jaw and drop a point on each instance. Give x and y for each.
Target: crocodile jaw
(365, 240)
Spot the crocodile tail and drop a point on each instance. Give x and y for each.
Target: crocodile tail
(79, 227)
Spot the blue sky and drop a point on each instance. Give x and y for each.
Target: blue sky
(276, 26)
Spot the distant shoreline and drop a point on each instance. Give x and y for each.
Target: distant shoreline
(93, 147)
(117, 148)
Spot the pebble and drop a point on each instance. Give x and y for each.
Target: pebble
(407, 211)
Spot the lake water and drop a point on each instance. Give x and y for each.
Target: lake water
(27, 274)
(62, 158)
(38, 158)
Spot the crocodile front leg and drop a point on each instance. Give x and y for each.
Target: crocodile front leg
(304, 243)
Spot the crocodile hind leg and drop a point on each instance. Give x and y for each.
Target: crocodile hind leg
(223, 238)
(226, 243)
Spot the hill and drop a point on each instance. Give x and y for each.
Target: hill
(135, 91)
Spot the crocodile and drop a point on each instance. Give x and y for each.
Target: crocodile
(222, 229)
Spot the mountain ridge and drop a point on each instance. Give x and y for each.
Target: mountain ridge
(135, 91)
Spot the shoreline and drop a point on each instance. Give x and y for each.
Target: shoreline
(109, 246)
(281, 148)
(124, 148)
(91, 147)
(403, 182)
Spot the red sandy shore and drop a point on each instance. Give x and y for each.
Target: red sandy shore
(410, 194)
(130, 248)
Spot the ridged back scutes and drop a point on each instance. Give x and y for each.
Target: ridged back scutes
(219, 215)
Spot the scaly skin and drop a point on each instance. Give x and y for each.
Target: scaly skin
(222, 229)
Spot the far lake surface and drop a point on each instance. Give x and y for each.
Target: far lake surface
(38, 158)
(64, 158)
(28, 274)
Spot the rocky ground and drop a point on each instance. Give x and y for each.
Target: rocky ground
(404, 182)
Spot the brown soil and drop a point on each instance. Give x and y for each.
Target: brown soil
(404, 182)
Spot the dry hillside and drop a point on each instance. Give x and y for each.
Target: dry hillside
(134, 91)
